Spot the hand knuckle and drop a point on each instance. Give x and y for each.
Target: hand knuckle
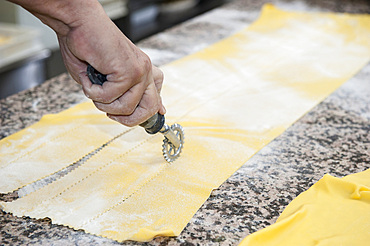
(141, 69)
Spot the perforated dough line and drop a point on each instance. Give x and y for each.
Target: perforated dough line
(40, 146)
(165, 165)
(48, 179)
(95, 171)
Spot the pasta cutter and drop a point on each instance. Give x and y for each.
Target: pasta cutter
(173, 141)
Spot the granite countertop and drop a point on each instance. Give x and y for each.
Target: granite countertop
(332, 138)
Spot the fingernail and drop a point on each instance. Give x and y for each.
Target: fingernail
(84, 91)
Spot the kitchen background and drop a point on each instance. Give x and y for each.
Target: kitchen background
(29, 51)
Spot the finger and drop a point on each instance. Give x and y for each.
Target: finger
(106, 93)
(121, 79)
(125, 104)
(162, 110)
(148, 106)
(158, 78)
(109, 91)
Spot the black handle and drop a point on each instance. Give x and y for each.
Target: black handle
(95, 76)
(153, 125)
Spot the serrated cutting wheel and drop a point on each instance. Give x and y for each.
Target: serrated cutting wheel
(170, 151)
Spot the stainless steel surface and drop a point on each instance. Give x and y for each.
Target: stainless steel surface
(23, 74)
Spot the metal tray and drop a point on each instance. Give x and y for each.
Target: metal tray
(20, 43)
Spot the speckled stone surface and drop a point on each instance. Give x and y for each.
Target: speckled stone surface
(333, 138)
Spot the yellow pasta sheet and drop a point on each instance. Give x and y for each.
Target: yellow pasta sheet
(333, 211)
(232, 98)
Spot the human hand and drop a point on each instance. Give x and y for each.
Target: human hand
(131, 93)
(86, 35)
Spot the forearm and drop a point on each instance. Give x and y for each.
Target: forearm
(62, 15)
